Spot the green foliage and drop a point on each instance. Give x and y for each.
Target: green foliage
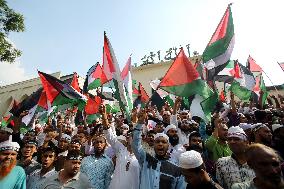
(10, 21)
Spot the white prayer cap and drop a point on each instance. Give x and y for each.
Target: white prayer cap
(258, 126)
(190, 159)
(245, 126)
(7, 129)
(171, 126)
(66, 137)
(161, 135)
(276, 126)
(9, 145)
(121, 137)
(125, 126)
(237, 132)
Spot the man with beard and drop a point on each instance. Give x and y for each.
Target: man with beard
(62, 151)
(158, 171)
(11, 176)
(194, 172)
(175, 149)
(278, 138)
(262, 134)
(27, 161)
(98, 166)
(148, 143)
(266, 167)
(48, 158)
(216, 144)
(70, 176)
(234, 168)
(195, 143)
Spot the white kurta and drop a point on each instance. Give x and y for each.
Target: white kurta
(122, 178)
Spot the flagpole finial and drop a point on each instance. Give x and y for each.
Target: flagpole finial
(230, 4)
(104, 32)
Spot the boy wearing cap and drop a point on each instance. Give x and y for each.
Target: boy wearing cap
(70, 176)
(27, 161)
(158, 171)
(11, 176)
(194, 172)
(234, 168)
(48, 158)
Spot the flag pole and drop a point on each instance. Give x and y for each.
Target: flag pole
(270, 81)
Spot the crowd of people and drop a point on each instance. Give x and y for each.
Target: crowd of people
(241, 148)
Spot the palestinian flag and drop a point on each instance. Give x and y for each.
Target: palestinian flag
(281, 65)
(243, 86)
(95, 78)
(6, 120)
(75, 83)
(227, 74)
(220, 47)
(112, 71)
(209, 105)
(260, 86)
(222, 96)
(182, 79)
(253, 66)
(60, 93)
(154, 84)
(127, 81)
(142, 97)
(92, 108)
(27, 104)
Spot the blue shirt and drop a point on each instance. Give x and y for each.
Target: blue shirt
(98, 170)
(16, 179)
(155, 174)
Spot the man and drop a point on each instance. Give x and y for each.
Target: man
(278, 138)
(262, 134)
(98, 167)
(158, 171)
(216, 144)
(247, 129)
(5, 132)
(27, 161)
(266, 167)
(148, 143)
(175, 149)
(234, 168)
(126, 173)
(63, 151)
(193, 170)
(70, 176)
(48, 158)
(11, 176)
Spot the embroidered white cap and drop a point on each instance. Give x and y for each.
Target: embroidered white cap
(9, 145)
(7, 129)
(245, 126)
(170, 127)
(237, 132)
(190, 159)
(66, 137)
(161, 135)
(276, 126)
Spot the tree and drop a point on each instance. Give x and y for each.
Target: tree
(10, 21)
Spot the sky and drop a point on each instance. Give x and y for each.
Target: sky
(67, 35)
